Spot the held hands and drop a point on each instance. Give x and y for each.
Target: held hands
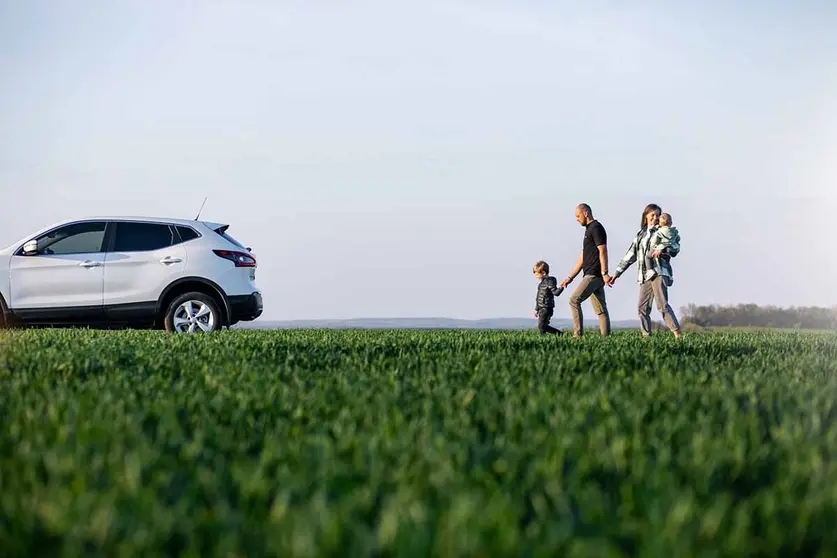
(608, 279)
(655, 254)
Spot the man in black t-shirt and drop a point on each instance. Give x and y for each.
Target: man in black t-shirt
(593, 261)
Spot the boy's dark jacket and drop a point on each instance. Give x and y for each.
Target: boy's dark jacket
(548, 289)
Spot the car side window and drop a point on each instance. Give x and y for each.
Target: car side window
(187, 233)
(78, 238)
(143, 237)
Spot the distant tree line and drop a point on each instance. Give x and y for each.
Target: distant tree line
(752, 315)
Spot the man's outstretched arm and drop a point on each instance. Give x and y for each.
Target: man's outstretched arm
(576, 269)
(603, 262)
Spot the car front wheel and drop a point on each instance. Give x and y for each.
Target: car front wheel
(193, 313)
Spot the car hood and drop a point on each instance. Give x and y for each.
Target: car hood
(9, 250)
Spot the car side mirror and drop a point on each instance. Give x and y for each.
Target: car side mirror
(30, 248)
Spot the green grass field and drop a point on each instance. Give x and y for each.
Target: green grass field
(416, 443)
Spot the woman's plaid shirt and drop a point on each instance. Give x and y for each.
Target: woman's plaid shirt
(640, 247)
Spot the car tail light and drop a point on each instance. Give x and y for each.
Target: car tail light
(240, 259)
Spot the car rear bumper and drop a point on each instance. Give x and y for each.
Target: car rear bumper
(245, 308)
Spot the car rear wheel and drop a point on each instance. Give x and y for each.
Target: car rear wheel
(193, 313)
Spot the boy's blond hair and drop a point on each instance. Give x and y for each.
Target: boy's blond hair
(541, 266)
(667, 218)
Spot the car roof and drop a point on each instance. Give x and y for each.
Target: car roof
(140, 218)
(168, 220)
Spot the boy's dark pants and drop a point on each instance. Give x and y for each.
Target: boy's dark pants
(544, 315)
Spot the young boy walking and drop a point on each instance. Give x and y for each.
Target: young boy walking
(548, 289)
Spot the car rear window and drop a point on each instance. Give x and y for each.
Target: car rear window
(231, 239)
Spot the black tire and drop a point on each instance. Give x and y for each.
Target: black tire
(205, 324)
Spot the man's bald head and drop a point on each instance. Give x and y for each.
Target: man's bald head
(583, 214)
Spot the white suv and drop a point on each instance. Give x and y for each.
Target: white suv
(184, 276)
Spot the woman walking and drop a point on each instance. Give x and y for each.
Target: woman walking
(653, 283)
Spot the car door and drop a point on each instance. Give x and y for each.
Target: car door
(143, 259)
(63, 280)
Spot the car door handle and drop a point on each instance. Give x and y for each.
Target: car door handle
(89, 263)
(170, 260)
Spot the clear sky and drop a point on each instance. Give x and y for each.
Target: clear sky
(392, 160)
